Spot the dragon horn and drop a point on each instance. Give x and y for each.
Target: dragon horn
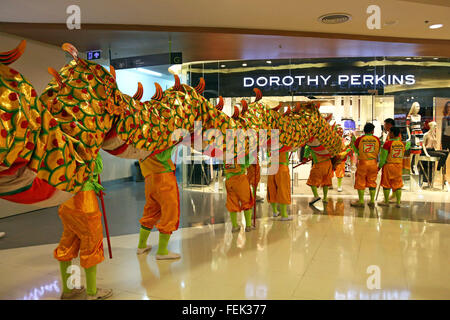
(112, 71)
(236, 113)
(56, 75)
(244, 106)
(70, 49)
(159, 93)
(219, 106)
(9, 57)
(258, 94)
(201, 86)
(278, 107)
(177, 86)
(139, 92)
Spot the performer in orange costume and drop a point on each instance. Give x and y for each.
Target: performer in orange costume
(162, 207)
(83, 233)
(279, 187)
(391, 160)
(367, 148)
(320, 175)
(339, 170)
(239, 195)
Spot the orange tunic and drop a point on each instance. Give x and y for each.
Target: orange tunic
(368, 147)
(391, 177)
(279, 184)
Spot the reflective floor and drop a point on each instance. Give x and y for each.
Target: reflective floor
(323, 253)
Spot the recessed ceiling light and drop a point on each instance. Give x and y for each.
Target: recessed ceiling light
(408, 58)
(436, 26)
(244, 64)
(268, 61)
(435, 58)
(222, 66)
(335, 18)
(153, 73)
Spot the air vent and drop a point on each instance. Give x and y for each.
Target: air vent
(335, 18)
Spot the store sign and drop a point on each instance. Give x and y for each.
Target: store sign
(148, 60)
(325, 80)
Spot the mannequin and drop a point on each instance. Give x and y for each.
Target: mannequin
(415, 134)
(430, 144)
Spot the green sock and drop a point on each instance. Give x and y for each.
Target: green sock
(91, 280)
(339, 182)
(274, 208)
(386, 193)
(325, 192)
(361, 196)
(63, 265)
(398, 195)
(233, 217)
(248, 217)
(143, 236)
(372, 192)
(283, 210)
(314, 190)
(163, 243)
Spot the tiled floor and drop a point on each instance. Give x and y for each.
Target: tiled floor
(323, 253)
(311, 257)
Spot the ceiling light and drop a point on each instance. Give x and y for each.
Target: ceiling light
(335, 18)
(222, 66)
(435, 58)
(408, 58)
(268, 61)
(244, 64)
(436, 26)
(153, 73)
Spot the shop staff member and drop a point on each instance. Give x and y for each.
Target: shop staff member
(320, 175)
(239, 195)
(391, 161)
(83, 234)
(367, 147)
(162, 207)
(279, 187)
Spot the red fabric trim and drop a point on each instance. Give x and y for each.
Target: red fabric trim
(358, 141)
(285, 149)
(119, 150)
(19, 163)
(39, 191)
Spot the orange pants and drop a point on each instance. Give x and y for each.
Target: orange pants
(254, 174)
(391, 176)
(321, 174)
(340, 170)
(279, 186)
(239, 195)
(366, 174)
(83, 232)
(162, 206)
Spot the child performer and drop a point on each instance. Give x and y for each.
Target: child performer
(279, 187)
(83, 233)
(320, 175)
(162, 207)
(391, 161)
(367, 148)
